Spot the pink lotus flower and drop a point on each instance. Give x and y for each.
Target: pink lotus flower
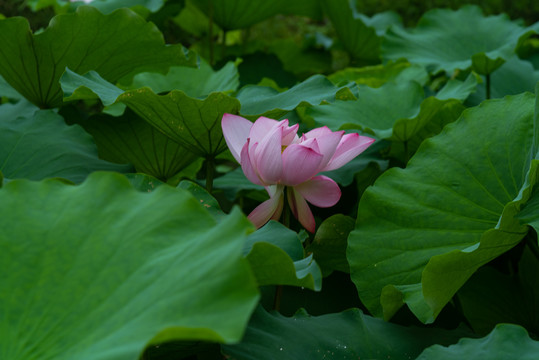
(272, 155)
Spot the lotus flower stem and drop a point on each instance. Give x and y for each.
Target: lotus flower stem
(286, 212)
(210, 172)
(531, 241)
(277, 298)
(406, 153)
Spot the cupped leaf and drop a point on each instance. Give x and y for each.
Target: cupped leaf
(266, 101)
(204, 197)
(87, 87)
(408, 115)
(329, 244)
(423, 231)
(116, 46)
(484, 43)
(130, 139)
(506, 341)
(460, 90)
(195, 82)
(276, 257)
(193, 123)
(125, 270)
(41, 146)
(346, 335)
(359, 39)
(239, 14)
(377, 75)
(513, 77)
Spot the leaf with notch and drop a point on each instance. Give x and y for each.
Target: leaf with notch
(116, 46)
(128, 269)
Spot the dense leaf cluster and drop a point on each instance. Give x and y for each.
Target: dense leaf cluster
(122, 226)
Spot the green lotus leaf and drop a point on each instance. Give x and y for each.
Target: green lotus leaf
(144, 182)
(506, 341)
(41, 145)
(457, 89)
(513, 77)
(377, 75)
(130, 139)
(484, 43)
(408, 114)
(128, 268)
(329, 244)
(195, 82)
(346, 335)
(87, 87)
(359, 39)
(204, 198)
(116, 46)
(193, 123)
(276, 257)
(265, 101)
(381, 22)
(423, 231)
(239, 14)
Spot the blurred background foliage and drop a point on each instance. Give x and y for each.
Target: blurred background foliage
(411, 10)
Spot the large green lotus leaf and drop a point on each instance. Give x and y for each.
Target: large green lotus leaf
(408, 114)
(506, 341)
(193, 123)
(276, 257)
(378, 75)
(484, 43)
(100, 270)
(359, 39)
(423, 231)
(513, 77)
(265, 101)
(346, 335)
(130, 139)
(116, 46)
(41, 145)
(195, 82)
(329, 244)
(239, 14)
